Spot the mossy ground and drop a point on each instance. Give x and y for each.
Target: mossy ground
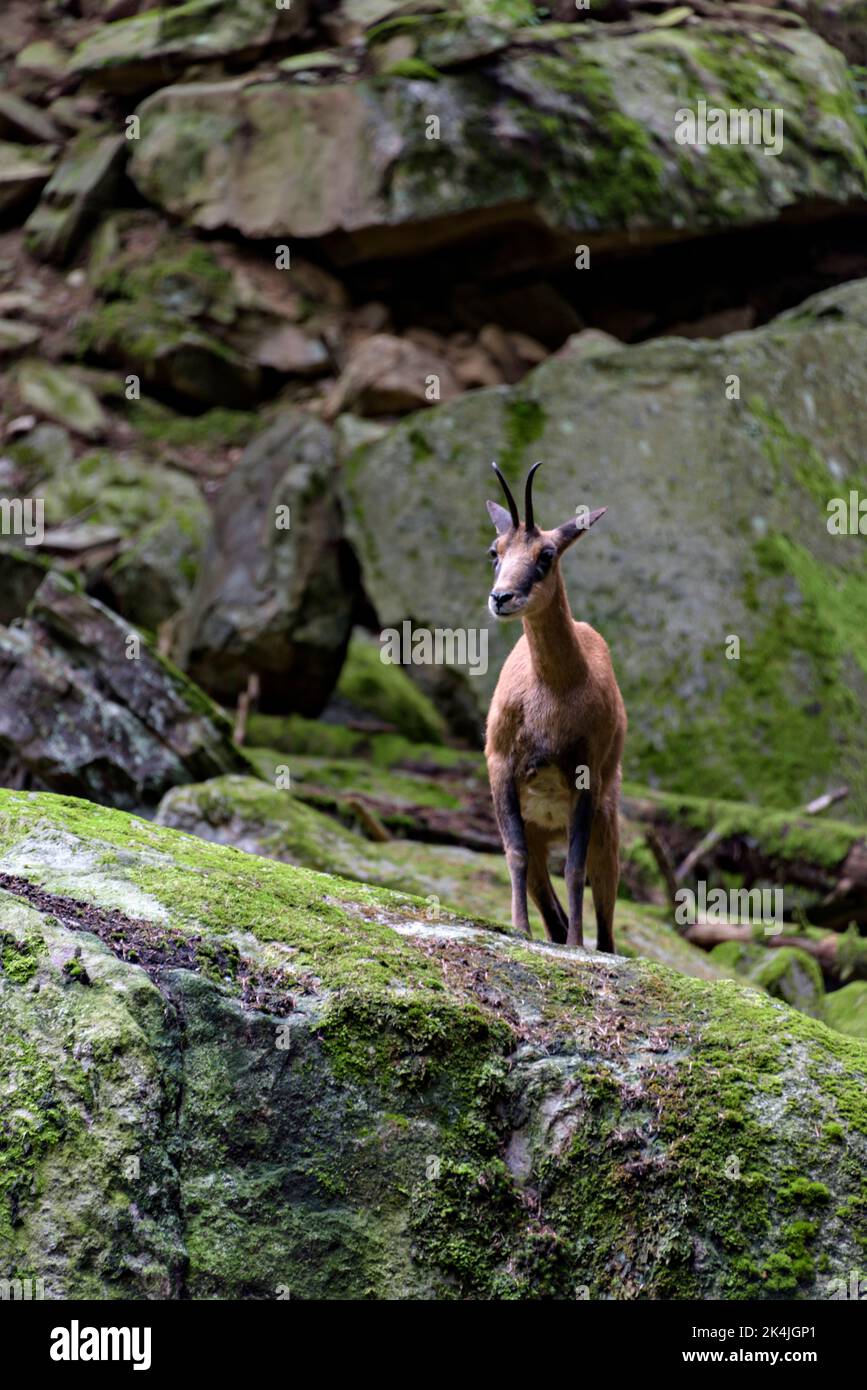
(385, 691)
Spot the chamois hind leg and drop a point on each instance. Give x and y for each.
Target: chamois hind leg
(541, 889)
(604, 868)
(580, 830)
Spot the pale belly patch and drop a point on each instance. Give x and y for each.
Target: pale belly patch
(545, 799)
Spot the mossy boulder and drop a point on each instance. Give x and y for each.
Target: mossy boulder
(676, 569)
(568, 131)
(58, 394)
(85, 182)
(45, 450)
(90, 706)
(846, 1009)
(145, 50)
(228, 1078)
(793, 975)
(162, 311)
(190, 320)
(160, 519)
(295, 734)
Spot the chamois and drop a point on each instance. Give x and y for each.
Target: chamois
(557, 709)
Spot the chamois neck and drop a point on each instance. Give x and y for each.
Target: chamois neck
(555, 651)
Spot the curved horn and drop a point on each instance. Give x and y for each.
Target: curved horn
(513, 506)
(528, 498)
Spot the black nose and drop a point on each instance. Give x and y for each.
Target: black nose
(499, 597)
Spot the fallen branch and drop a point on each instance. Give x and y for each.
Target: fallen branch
(826, 950)
(822, 803)
(246, 701)
(663, 863)
(710, 841)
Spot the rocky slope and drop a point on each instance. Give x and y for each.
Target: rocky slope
(217, 221)
(275, 1082)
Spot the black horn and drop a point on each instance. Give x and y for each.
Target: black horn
(528, 498)
(513, 506)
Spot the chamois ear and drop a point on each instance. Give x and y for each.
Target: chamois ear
(500, 517)
(571, 530)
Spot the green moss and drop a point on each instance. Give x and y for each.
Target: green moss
(807, 623)
(185, 274)
(591, 1205)
(793, 975)
(421, 449)
(411, 1045)
(33, 1121)
(224, 428)
(846, 1009)
(524, 424)
(293, 734)
(801, 1192)
(613, 178)
(414, 69)
(780, 835)
(21, 947)
(385, 690)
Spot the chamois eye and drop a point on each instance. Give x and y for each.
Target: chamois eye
(494, 554)
(543, 564)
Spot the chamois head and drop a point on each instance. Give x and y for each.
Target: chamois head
(525, 558)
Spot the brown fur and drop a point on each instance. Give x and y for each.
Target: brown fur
(557, 706)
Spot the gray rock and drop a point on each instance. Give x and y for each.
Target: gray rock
(58, 394)
(567, 134)
(275, 601)
(81, 713)
(24, 172)
(84, 183)
(21, 120)
(21, 573)
(274, 1082)
(143, 51)
(16, 337)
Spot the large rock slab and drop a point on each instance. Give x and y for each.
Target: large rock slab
(227, 1078)
(571, 133)
(276, 591)
(140, 52)
(85, 710)
(718, 527)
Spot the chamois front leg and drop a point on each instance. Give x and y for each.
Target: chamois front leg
(580, 825)
(507, 809)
